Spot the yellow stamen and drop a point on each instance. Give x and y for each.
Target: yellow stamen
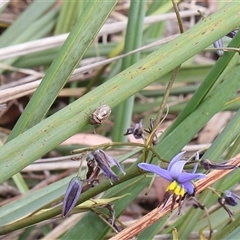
(176, 188)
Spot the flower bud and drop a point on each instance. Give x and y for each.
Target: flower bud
(230, 198)
(137, 130)
(232, 34)
(71, 196)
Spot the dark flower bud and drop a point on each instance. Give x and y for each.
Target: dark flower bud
(232, 34)
(71, 196)
(93, 176)
(91, 165)
(219, 44)
(137, 130)
(230, 198)
(208, 165)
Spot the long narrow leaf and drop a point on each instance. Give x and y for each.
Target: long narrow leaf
(65, 62)
(43, 137)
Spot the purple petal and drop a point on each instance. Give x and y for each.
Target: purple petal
(187, 177)
(137, 130)
(195, 167)
(174, 160)
(177, 168)
(114, 162)
(189, 188)
(104, 164)
(156, 169)
(236, 196)
(138, 125)
(107, 171)
(100, 157)
(129, 131)
(219, 44)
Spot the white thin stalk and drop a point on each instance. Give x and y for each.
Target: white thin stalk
(55, 41)
(22, 90)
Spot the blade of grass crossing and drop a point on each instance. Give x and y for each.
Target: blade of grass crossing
(68, 15)
(33, 12)
(63, 65)
(57, 75)
(133, 40)
(209, 81)
(39, 28)
(52, 131)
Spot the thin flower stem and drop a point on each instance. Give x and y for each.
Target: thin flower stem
(150, 184)
(80, 168)
(209, 223)
(213, 190)
(175, 6)
(107, 145)
(225, 49)
(100, 215)
(114, 144)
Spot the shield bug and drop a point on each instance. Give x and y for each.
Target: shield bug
(100, 114)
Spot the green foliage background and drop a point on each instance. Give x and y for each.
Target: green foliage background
(35, 133)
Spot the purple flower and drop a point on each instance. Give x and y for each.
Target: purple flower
(230, 198)
(180, 185)
(103, 161)
(71, 196)
(137, 130)
(174, 173)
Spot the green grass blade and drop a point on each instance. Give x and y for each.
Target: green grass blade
(231, 231)
(99, 228)
(68, 15)
(65, 62)
(133, 40)
(46, 135)
(39, 28)
(210, 80)
(33, 12)
(164, 146)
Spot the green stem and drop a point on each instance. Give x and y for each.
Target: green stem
(132, 173)
(115, 144)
